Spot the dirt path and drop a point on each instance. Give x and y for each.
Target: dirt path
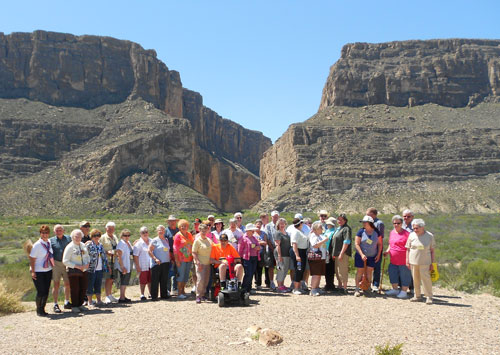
(456, 324)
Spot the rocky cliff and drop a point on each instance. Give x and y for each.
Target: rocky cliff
(450, 72)
(427, 137)
(113, 106)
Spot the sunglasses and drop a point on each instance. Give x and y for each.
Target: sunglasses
(323, 216)
(396, 222)
(96, 236)
(238, 217)
(126, 235)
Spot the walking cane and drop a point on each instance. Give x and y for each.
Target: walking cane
(382, 276)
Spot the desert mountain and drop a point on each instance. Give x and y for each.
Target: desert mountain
(412, 124)
(94, 124)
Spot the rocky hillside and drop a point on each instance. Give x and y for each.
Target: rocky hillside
(93, 124)
(406, 147)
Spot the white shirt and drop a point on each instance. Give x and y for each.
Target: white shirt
(233, 237)
(141, 250)
(296, 236)
(39, 252)
(125, 256)
(315, 239)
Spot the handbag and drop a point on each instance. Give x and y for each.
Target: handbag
(314, 255)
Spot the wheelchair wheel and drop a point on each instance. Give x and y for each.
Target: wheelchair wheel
(220, 299)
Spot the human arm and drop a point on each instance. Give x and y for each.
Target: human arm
(152, 255)
(296, 251)
(357, 245)
(137, 266)
(278, 249)
(408, 258)
(32, 268)
(342, 252)
(431, 266)
(379, 248)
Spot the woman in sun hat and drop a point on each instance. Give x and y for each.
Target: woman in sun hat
(249, 248)
(368, 245)
(218, 228)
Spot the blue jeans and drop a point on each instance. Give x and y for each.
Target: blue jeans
(95, 283)
(172, 273)
(400, 272)
(376, 272)
(249, 266)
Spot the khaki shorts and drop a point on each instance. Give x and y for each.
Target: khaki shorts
(58, 271)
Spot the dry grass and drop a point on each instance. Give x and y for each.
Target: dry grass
(9, 302)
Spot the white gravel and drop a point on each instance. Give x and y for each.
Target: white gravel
(456, 324)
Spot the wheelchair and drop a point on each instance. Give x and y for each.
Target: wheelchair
(233, 294)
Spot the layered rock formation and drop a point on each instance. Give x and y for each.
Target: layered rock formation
(451, 72)
(427, 156)
(113, 106)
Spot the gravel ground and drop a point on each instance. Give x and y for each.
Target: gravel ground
(456, 324)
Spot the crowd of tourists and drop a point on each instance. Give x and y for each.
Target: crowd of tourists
(164, 262)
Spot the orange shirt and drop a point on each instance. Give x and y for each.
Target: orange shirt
(219, 252)
(183, 247)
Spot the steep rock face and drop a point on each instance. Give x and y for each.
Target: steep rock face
(211, 155)
(428, 158)
(223, 137)
(451, 72)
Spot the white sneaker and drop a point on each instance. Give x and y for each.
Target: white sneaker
(392, 292)
(112, 298)
(357, 294)
(375, 288)
(107, 300)
(182, 297)
(273, 286)
(83, 309)
(403, 295)
(429, 300)
(296, 292)
(315, 292)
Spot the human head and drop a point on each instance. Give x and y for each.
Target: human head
(59, 230)
(160, 229)
(418, 225)
(219, 225)
(44, 232)
(264, 218)
(204, 228)
(172, 221)
(408, 217)
(258, 224)
(144, 232)
(211, 219)
(223, 239)
(232, 223)
(110, 228)
(250, 229)
(275, 215)
(372, 212)
(95, 235)
(397, 222)
(183, 226)
(281, 223)
(368, 221)
(342, 219)
(307, 221)
(125, 233)
(297, 223)
(76, 236)
(330, 222)
(239, 218)
(317, 227)
(85, 227)
(323, 215)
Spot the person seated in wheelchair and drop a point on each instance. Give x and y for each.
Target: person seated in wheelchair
(222, 256)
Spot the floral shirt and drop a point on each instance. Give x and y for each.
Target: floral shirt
(96, 251)
(183, 246)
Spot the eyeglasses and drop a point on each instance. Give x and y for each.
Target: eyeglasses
(238, 217)
(126, 235)
(323, 216)
(144, 232)
(406, 216)
(96, 236)
(396, 222)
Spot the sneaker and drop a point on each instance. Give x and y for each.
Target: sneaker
(75, 309)
(107, 300)
(296, 292)
(168, 293)
(402, 294)
(392, 292)
(67, 305)
(98, 303)
(198, 300)
(315, 292)
(112, 298)
(273, 286)
(204, 299)
(416, 299)
(375, 289)
(182, 297)
(304, 286)
(125, 300)
(57, 309)
(357, 294)
(193, 290)
(83, 309)
(176, 292)
(90, 303)
(344, 291)
(283, 289)
(85, 303)
(253, 292)
(429, 300)
(143, 298)
(259, 288)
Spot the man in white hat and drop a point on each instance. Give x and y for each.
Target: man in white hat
(323, 216)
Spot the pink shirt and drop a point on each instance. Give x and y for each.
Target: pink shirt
(397, 242)
(247, 247)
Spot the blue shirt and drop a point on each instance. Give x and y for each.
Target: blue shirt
(380, 226)
(161, 251)
(368, 242)
(58, 246)
(169, 234)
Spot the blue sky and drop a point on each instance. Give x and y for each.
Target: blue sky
(262, 64)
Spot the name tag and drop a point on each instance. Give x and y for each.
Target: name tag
(420, 247)
(369, 241)
(253, 246)
(165, 249)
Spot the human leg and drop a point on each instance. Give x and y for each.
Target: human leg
(415, 273)
(425, 277)
(163, 277)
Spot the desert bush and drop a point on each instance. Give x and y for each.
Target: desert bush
(9, 302)
(387, 349)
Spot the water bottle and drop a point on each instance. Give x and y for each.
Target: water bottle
(299, 266)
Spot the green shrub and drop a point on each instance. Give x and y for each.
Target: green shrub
(387, 349)
(483, 273)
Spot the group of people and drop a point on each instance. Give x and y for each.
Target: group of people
(87, 258)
